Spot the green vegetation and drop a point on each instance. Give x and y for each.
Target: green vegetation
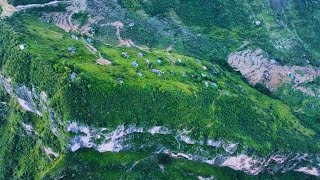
(307, 29)
(226, 25)
(81, 17)
(88, 163)
(95, 96)
(25, 2)
(304, 106)
(107, 96)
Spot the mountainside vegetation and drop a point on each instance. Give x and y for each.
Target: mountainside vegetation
(276, 26)
(188, 88)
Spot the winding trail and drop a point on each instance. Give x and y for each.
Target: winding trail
(52, 3)
(9, 10)
(123, 42)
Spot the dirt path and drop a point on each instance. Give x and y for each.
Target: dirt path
(61, 19)
(92, 49)
(29, 6)
(64, 19)
(123, 42)
(8, 9)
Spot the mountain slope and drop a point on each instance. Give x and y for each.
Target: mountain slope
(82, 102)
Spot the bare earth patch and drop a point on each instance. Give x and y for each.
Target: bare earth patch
(8, 9)
(258, 69)
(103, 62)
(122, 42)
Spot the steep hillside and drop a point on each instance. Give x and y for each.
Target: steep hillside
(134, 89)
(219, 27)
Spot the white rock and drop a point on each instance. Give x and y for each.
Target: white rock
(205, 178)
(216, 144)
(161, 166)
(134, 129)
(25, 105)
(28, 128)
(50, 152)
(109, 147)
(85, 130)
(118, 133)
(85, 141)
(21, 47)
(73, 75)
(230, 147)
(187, 139)
(311, 171)
(73, 127)
(159, 130)
(258, 23)
(74, 147)
(106, 147)
(44, 99)
(244, 163)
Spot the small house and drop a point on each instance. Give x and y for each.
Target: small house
(89, 40)
(21, 47)
(157, 72)
(204, 68)
(215, 85)
(258, 23)
(73, 76)
(140, 55)
(125, 54)
(120, 81)
(72, 50)
(135, 64)
(74, 37)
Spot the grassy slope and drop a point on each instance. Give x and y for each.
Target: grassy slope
(244, 115)
(95, 96)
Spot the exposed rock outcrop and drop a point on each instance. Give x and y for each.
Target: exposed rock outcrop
(214, 152)
(22, 94)
(104, 140)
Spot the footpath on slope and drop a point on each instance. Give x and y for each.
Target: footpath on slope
(9, 10)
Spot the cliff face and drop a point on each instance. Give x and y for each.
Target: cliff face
(219, 153)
